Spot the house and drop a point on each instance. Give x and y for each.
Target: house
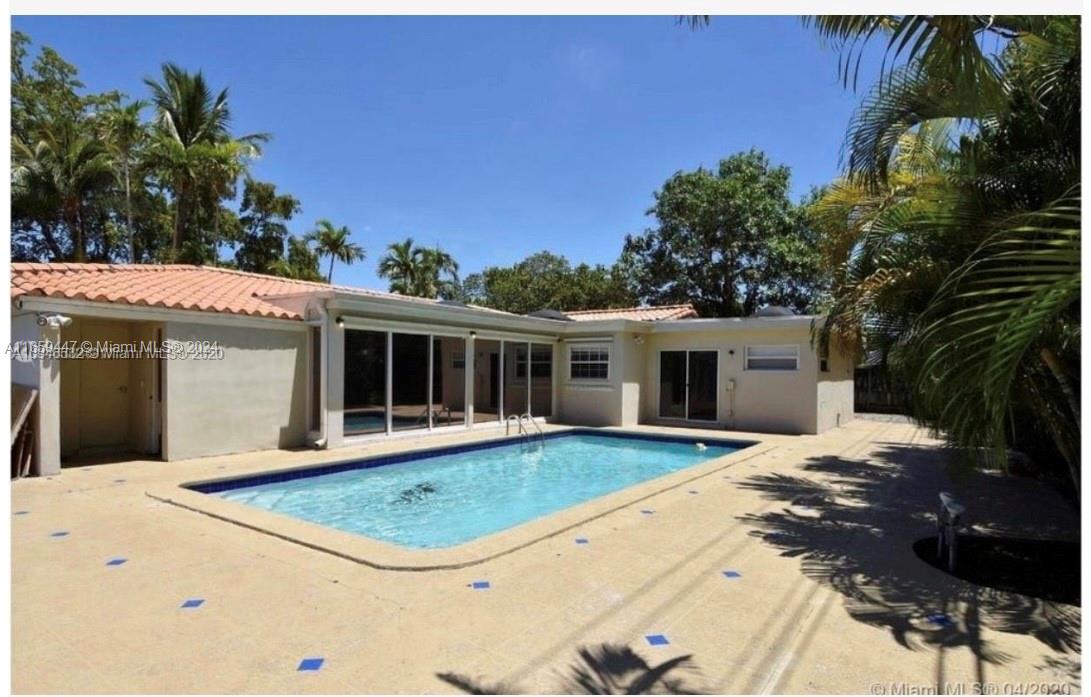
(176, 361)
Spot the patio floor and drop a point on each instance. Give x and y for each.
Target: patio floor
(822, 592)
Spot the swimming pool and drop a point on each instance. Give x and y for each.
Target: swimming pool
(443, 498)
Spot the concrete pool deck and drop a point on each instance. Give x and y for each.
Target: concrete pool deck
(822, 592)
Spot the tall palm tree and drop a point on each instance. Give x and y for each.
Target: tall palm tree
(333, 242)
(402, 266)
(66, 166)
(193, 143)
(419, 271)
(125, 134)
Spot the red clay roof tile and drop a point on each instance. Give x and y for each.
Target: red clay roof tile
(645, 314)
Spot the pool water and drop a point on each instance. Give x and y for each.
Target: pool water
(441, 500)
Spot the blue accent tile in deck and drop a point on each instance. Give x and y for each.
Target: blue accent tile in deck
(656, 640)
(694, 491)
(941, 620)
(480, 585)
(119, 481)
(193, 603)
(116, 561)
(311, 664)
(732, 574)
(647, 511)
(59, 533)
(21, 512)
(582, 541)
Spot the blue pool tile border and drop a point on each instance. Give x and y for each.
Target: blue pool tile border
(222, 485)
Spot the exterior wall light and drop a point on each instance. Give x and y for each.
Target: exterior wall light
(54, 320)
(341, 322)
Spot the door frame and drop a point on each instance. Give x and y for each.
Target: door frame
(659, 384)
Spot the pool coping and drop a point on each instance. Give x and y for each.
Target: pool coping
(383, 555)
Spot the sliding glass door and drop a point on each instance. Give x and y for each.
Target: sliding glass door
(400, 381)
(409, 382)
(365, 382)
(688, 385)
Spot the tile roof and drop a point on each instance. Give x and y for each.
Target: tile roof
(173, 286)
(644, 314)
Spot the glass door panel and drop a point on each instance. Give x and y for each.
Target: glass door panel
(702, 385)
(409, 401)
(672, 384)
(365, 382)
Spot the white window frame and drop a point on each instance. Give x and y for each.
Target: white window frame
(604, 347)
(793, 369)
(529, 365)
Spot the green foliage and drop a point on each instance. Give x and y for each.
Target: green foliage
(264, 231)
(729, 241)
(93, 180)
(301, 261)
(424, 272)
(547, 281)
(333, 242)
(958, 257)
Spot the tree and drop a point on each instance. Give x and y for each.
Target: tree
(125, 135)
(301, 261)
(197, 157)
(263, 219)
(66, 167)
(958, 256)
(729, 241)
(91, 177)
(547, 281)
(419, 271)
(333, 242)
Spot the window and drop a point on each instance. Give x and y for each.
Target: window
(541, 361)
(589, 362)
(772, 357)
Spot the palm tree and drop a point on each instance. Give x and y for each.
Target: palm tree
(959, 257)
(438, 263)
(419, 271)
(402, 265)
(125, 134)
(65, 166)
(194, 148)
(333, 242)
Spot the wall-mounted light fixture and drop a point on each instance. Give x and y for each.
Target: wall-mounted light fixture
(638, 339)
(53, 319)
(473, 335)
(341, 322)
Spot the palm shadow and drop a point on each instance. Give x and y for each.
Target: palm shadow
(607, 669)
(852, 525)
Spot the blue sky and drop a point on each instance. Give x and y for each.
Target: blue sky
(494, 137)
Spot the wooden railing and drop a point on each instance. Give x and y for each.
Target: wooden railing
(24, 412)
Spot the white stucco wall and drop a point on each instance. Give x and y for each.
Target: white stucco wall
(255, 398)
(45, 376)
(590, 402)
(836, 390)
(769, 401)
